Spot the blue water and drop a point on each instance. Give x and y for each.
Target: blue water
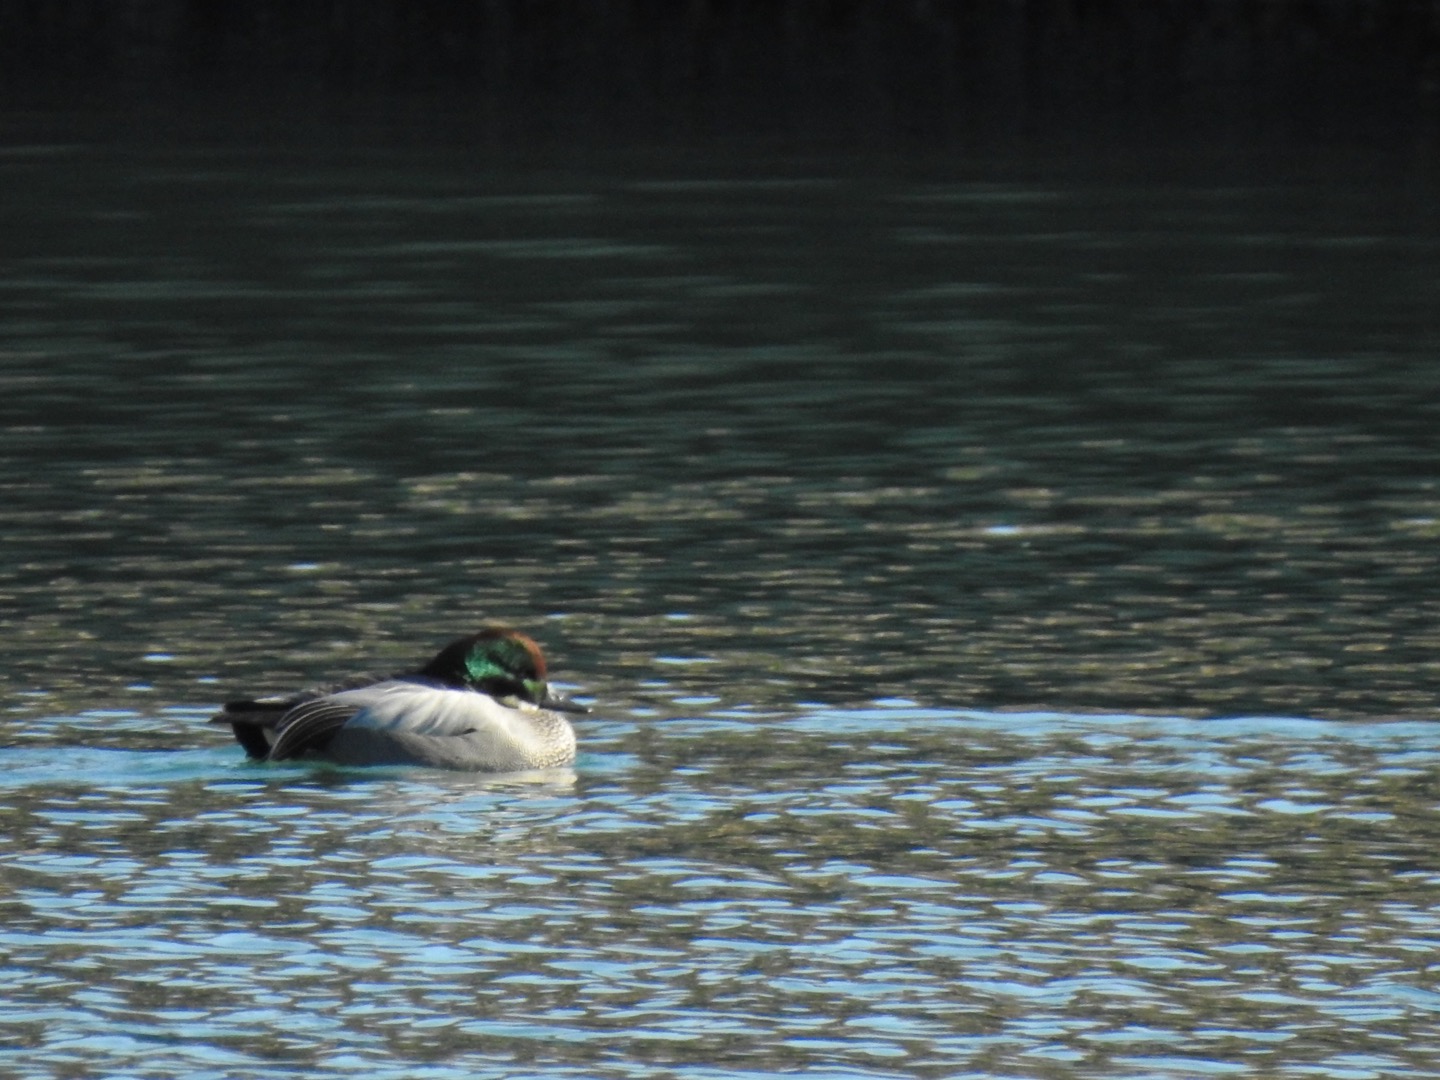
(892, 891)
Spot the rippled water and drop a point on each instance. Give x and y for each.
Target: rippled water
(1006, 589)
(898, 892)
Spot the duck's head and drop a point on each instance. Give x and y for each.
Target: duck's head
(503, 663)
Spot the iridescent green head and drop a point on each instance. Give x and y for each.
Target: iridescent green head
(501, 662)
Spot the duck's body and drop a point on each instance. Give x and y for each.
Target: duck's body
(482, 704)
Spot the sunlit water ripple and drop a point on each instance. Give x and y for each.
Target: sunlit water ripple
(889, 891)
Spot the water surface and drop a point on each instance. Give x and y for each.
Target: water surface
(1005, 587)
(898, 892)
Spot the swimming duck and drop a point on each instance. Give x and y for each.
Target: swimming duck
(483, 703)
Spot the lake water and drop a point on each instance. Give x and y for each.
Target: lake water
(1006, 588)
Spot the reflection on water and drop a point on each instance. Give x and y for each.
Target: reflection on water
(1106, 443)
(905, 523)
(884, 892)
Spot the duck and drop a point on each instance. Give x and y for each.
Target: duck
(483, 704)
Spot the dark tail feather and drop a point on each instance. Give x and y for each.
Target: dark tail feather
(252, 737)
(253, 723)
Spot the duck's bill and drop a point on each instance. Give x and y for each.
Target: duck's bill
(558, 701)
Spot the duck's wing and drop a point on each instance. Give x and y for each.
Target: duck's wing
(394, 703)
(254, 720)
(312, 724)
(404, 723)
(411, 708)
